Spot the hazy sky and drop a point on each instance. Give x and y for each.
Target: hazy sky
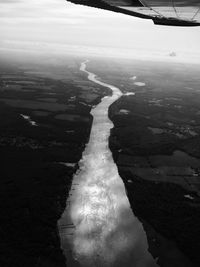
(36, 23)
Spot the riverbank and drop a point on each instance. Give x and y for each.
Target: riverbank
(40, 158)
(161, 189)
(155, 144)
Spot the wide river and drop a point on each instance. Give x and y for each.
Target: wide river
(98, 228)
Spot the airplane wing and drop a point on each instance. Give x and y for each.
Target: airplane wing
(162, 12)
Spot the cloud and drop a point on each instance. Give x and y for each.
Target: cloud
(60, 22)
(42, 21)
(9, 1)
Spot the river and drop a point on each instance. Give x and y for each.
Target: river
(99, 225)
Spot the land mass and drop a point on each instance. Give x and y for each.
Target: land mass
(45, 124)
(155, 144)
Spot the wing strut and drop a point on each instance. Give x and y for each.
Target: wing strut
(173, 4)
(196, 14)
(144, 3)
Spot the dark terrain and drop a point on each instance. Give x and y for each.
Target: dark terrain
(156, 146)
(45, 124)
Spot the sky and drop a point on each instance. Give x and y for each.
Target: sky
(58, 25)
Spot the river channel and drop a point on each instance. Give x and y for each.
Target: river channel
(99, 226)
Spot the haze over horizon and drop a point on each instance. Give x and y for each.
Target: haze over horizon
(57, 26)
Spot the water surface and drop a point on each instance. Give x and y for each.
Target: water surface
(106, 232)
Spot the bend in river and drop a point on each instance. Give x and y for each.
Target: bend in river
(106, 232)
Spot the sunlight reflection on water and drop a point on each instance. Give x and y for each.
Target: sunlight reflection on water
(106, 231)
